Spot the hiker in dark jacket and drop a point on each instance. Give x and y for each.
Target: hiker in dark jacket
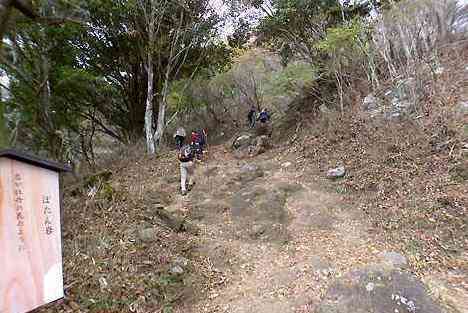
(252, 117)
(185, 156)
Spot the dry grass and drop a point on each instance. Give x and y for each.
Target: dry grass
(406, 175)
(107, 267)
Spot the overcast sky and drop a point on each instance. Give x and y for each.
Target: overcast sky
(221, 9)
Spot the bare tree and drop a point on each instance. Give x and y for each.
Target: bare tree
(413, 29)
(153, 12)
(182, 36)
(183, 41)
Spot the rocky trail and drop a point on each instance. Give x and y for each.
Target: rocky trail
(263, 233)
(275, 239)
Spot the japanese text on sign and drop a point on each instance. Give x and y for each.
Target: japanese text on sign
(49, 229)
(19, 199)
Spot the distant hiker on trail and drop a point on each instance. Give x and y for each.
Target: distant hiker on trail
(264, 116)
(264, 127)
(185, 157)
(179, 137)
(252, 116)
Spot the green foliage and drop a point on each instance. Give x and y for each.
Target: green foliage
(300, 24)
(106, 303)
(71, 80)
(292, 78)
(344, 45)
(35, 60)
(257, 79)
(181, 99)
(168, 309)
(341, 37)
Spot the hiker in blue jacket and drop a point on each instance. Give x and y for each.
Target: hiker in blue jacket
(264, 127)
(264, 116)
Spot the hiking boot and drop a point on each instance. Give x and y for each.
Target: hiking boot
(190, 186)
(184, 192)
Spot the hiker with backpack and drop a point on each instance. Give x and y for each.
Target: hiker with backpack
(264, 116)
(264, 127)
(186, 160)
(179, 137)
(197, 144)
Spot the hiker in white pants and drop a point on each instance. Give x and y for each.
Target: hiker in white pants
(186, 175)
(185, 156)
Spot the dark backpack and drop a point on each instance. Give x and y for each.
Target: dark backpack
(186, 153)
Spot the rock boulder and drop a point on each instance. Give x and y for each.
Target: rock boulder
(250, 144)
(336, 172)
(243, 141)
(378, 290)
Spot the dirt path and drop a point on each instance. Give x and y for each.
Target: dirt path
(265, 261)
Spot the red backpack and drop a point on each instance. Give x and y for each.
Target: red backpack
(195, 137)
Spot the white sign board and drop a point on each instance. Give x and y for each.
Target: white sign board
(30, 236)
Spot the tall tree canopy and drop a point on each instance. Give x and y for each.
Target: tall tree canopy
(88, 72)
(295, 26)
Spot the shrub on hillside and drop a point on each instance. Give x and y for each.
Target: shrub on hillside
(221, 102)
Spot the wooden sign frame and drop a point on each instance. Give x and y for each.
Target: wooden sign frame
(31, 273)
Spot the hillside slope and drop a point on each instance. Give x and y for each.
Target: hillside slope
(271, 233)
(268, 234)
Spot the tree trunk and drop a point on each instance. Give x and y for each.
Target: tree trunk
(5, 8)
(162, 111)
(54, 139)
(3, 128)
(340, 91)
(149, 107)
